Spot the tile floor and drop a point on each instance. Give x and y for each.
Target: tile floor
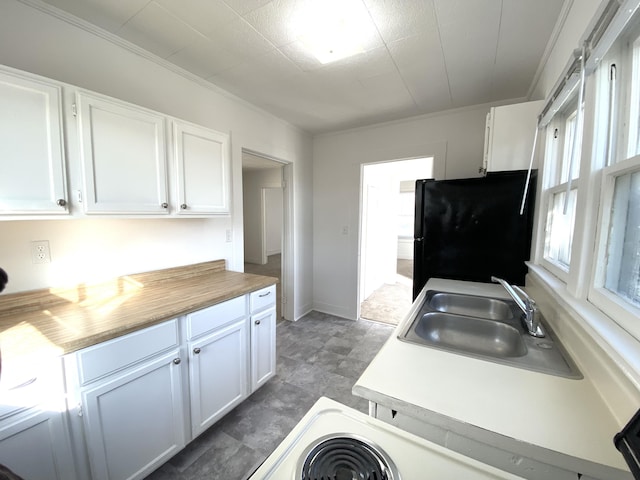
(391, 302)
(318, 355)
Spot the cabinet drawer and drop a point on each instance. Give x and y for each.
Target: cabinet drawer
(212, 317)
(263, 298)
(104, 358)
(24, 385)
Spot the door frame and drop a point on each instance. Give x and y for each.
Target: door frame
(438, 171)
(287, 257)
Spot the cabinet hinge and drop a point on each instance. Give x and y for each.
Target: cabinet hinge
(284, 299)
(79, 409)
(74, 110)
(284, 184)
(79, 196)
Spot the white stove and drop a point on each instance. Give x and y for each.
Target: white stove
(335, 442)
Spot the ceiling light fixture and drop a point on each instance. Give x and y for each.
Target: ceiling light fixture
(332, 29)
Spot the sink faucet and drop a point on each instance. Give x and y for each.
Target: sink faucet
(526, 304)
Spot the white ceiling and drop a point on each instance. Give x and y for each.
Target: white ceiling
(423, 56)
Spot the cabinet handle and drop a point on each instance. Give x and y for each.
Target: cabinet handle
(164, 205)
(257, 322)
(183, 206)
(196, 350)
(177, 361)
(24, 384)
(61, 202)
(265, 294)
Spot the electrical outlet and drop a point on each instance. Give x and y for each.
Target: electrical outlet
(40, 252)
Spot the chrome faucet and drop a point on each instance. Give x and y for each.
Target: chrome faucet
(526, 304)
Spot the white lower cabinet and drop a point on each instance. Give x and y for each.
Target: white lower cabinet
(34, 445)
(134, 421)
(33, 419)
(262, 305)
(217, 374)
(263, 347)
(136, 401)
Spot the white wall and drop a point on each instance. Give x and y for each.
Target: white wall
(454, 138)
(273, 221)
(253, 182)
(37, 42)
(578, 17)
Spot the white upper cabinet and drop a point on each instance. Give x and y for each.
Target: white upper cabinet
(123, 157)
(117, 160)
(202, 161)
(32, 162)
(509, 135)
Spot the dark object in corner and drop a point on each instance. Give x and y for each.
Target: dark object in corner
(4, 279)
(5, 473)
(628, 442)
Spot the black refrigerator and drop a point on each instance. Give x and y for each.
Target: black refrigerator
(470, 229)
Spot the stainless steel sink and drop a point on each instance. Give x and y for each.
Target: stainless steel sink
(488, 329)
(483, 307)
(474, 335)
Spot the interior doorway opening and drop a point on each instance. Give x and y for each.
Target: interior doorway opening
(385, 276)
(265, 221)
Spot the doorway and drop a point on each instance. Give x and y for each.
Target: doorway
(386, 237)
(265, 221)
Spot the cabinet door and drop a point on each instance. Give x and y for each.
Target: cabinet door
(202, 165)
(218, 374)
(32, 167)
(35, 446)
(134, 421)
(263, 347)
(123, 157)
(509, 141)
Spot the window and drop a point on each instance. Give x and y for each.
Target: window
(561, 176)
(588, 246)
(634, 104)
(622, 275)
(615, 287)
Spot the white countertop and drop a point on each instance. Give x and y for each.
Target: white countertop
(559, 420)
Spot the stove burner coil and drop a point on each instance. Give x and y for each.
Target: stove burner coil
(346, 458)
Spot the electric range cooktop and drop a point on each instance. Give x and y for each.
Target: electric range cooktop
(333, 441)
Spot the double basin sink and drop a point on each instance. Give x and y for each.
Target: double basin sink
(489, 329)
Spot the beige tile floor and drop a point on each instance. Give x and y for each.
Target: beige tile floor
(391, 302)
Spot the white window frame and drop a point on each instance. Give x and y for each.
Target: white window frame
(623, 312)
(633, 134)
(555, 158)
(612, 322)
(612, 161)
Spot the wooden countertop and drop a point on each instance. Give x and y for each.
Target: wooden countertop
(49, 322)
